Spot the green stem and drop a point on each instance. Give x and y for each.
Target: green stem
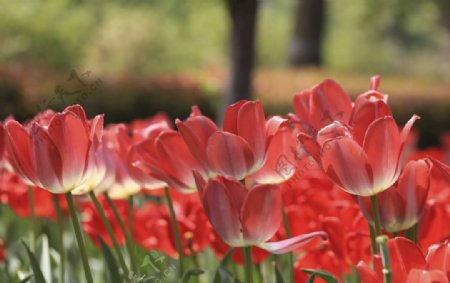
(125, 231)
(176, 230)
(387, 273)
(110, 232)
(79, 237)
(373, 240)
(290, 256)
(33, 219)
(247, 253)
(395, 234)
(376, 215)
(412, 232)
(62, 253)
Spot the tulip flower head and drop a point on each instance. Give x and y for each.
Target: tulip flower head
(248, 145)
(402, 205)
(247, 217)
(363, 157)
(58, 154)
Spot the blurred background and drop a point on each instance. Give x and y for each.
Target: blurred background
(135, 58)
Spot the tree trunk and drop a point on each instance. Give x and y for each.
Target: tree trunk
(243, 15)
(305, 46)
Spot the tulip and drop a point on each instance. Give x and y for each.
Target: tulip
(94, 227)
(248, 145)
(58, 156)
(362, 154)
(402, 205)
(247, 217)
(15, 193)
(408, 264)
(360, 169)
(321, 105)
(166, 159)
(238, 150)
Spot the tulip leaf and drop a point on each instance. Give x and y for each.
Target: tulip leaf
(38, 276)
(191, 272)
(26, 279)
(278, 276)
(112, 274)
(45, 259)
(326, 276)
(221, 268)
(311, 279)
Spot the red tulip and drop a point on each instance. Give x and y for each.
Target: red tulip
(58, 156)
(362, 154)
(247, 217)
(438, 256)
(237, 151)
(15, 194)
(402, 205)
(360, 169)
(93, 225)
(248, 145)
(321, 105)
(408, 264)
(167, 159)
(118, 142)
(152, 232)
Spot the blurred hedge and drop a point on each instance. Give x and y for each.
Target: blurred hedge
(25, 91)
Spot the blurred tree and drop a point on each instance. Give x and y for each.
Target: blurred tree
(243, 15)
(444, 8)
(305, 45)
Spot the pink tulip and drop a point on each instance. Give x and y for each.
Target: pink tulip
(58, 155)
(363, 156)
(321, 105)
(248, 145)
(247, 217)
(402, 205)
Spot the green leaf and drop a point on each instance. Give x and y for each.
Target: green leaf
(38, 276)
(26, 279)
(311, 279)
(45, 259)
(112, 274)
(326, 276)
(191, 272)
(278, 276)
(223, 263)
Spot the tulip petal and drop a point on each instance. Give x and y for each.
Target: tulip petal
(426, 276)
(368, 107)
(405, 255)
(196, 132)
(438, 257)
(291, 244)
(346, 164)
(222, 214)
(70, 135)
(230, 155)
(280, 161)
(176, 160)
(139, 172)
(230, 123)
(301, 105)
(48, 161)
(252, 127)
(19, 145)
(329, 103)
(261, 213)
(382, 145)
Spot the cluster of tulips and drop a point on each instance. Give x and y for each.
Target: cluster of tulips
(338, 187)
